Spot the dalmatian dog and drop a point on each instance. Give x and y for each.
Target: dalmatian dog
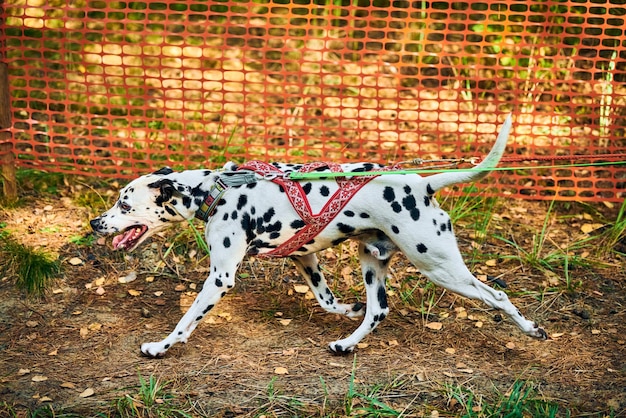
(248, 212)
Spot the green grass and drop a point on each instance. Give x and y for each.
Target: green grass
(150, 400)
(521, 401)
(357, 404)
(544, 254)
(33, 269)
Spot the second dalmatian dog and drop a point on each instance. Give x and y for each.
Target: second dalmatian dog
(256, 209)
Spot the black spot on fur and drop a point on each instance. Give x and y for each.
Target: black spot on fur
(170, 210)
(349, 213)
(415, 214)
(251, 185)
(324, 191)
(225, 217)
(345, 229)
(243, 200)
(208, 308)
(395, 229)
(382, 297)
(421, 248)
(409, 202)
(395, 206)
(369, 277)
(338, 241)
(226, 242)
(364, 215)
(267, 216)
(218, 283)
(388, 194)
(427, 201)
(316, 278)
(407, 189)
(307, 188)
(234, 215)
(297, 224)
(429, 189)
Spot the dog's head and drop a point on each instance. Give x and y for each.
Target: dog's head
(145, 206)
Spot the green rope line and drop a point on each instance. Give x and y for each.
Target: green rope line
(317, 175)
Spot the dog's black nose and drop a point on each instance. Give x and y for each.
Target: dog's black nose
(95, 224)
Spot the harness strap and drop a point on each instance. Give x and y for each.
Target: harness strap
(315, 223)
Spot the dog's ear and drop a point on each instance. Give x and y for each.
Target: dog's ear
(166, 189)
(164, 171)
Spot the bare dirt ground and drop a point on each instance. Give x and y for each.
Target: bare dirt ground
(263, 351)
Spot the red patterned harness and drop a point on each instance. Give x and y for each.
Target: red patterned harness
(315, 223)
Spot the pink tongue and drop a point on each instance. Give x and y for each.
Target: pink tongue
(119, 241)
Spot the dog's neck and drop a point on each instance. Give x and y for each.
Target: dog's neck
(200, 198)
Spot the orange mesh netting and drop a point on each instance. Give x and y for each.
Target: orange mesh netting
(116, 89)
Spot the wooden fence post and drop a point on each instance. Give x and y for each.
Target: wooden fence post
(7, 159)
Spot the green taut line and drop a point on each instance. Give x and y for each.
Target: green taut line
(317, 175)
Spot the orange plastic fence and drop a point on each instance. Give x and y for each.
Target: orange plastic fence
(116, 89)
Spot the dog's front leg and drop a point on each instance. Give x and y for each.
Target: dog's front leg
(220, 281)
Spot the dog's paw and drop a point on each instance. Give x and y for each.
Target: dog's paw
(340, 350)
(539, 333)
(356, 310)
(153, 350)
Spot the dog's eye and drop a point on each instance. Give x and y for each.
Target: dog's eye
(124, 206)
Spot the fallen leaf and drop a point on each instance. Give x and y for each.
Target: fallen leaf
(180, 287)
(94, 326)
(479, 324)
(281, 370)
(468, 371)
(99, 282)
(557, 335)
(84, 332)
(362, 345)
(22, 372)
(39, 378)
(57, 291)
(158, 293)
(68, 385)
(510, 345)
(87, 393)
(134, 292)
(596, 331)
(75, 261)
(100, 291)
(32, 324)
(289, 352)
(491, 263)
(45, 399)
(130, 277)
(301, 288)
(434, 325)
(450, 350)
(150, 279)
(461, 315)
(54, 352)
(284, 322)
(393, 343)
(587, 228)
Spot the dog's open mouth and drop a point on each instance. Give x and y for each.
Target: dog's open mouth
(129, 238)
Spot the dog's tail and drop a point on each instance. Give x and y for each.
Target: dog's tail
(441, 180)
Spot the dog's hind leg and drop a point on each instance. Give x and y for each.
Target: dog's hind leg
(308, 267)
(374, 275)
(444, 266)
